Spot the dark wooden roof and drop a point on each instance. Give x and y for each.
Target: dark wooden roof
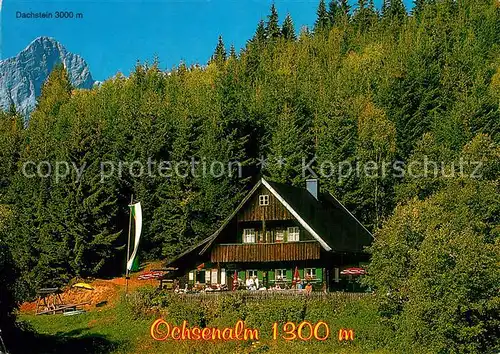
(328, 217)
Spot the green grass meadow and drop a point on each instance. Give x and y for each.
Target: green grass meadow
(125, 328)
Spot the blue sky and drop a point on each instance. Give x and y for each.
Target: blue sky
(114, 34)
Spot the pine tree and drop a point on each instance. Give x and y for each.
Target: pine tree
(260, 33)
(398, 9)
(418, 7)
(55, 93)
(288, 29)
(361, 7)
(287, 149)
(322, 18)
(12, 111)
(386, 6)
(304, 32)
(11, 134)
(376, 143)
(393, 9)
(232, 52)
(345, 8)
(373, 13)
(334, 12)
(67, 223)
(272, 26)
(219, 56)
(172, 228)
(252, 52)
(365, 15)
(221, 189)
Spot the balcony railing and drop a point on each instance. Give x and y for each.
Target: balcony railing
(266, 252)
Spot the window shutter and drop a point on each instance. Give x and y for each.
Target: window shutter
(302, 274)
(242, 275)
(271, 275)
(319, 274)
(259, 276)
(289, 275)
(222, 276)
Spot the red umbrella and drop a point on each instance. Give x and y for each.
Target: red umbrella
(296, 276)
(235, 281)
(353, 271)
(201, 266)
(151, 275)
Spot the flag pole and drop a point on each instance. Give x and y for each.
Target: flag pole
(128, 244)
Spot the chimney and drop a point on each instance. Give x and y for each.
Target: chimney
(312, 187)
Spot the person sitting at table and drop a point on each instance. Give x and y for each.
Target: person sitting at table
(308, 288)
(250, 283)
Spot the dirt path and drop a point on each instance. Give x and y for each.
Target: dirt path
(106, 291)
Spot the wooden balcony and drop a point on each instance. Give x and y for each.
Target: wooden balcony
(265, 252)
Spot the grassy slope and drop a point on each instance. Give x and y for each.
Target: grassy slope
(117, 330)
(110, 330)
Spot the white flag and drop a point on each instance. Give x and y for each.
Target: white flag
(136, 211)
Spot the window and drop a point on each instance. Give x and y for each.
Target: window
(280, 235)
(222, 276)
(310, 273)
(248, 235)
(213, 276)
(280, 274)
(293, 234)
(251, 273)
(263, 199)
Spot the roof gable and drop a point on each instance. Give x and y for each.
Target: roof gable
(211, 238)
(283, 201)
(272, 210)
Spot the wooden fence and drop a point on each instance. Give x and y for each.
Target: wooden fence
(250, 296)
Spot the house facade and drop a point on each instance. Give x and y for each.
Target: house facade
(274, 230)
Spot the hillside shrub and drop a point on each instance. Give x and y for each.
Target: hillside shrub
(338, 310)
(7, 281)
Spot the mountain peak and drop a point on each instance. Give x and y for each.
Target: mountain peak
(43, 40)
(22, 76)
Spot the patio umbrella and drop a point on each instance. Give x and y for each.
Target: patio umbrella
(235, 281)
(296, 276)
(155, 274)
(353, 271)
